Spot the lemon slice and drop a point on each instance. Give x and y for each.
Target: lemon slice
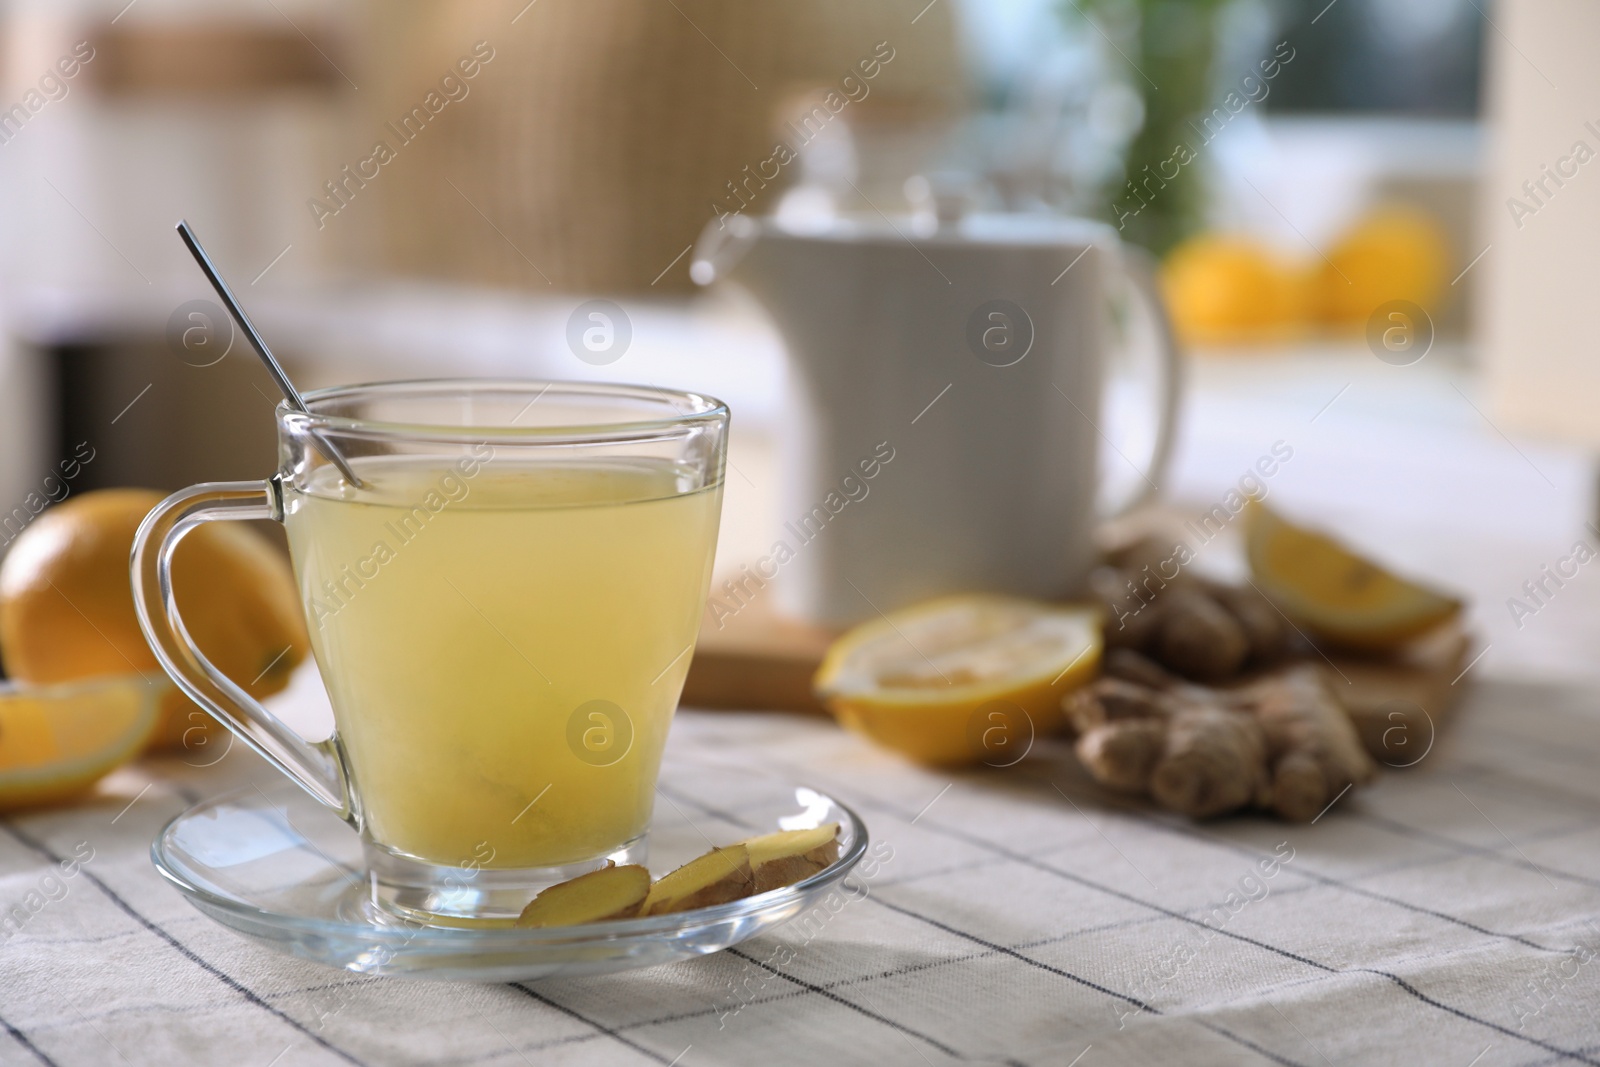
(57, 741)
(963, 679)
(1333, 593)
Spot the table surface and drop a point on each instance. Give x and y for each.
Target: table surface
(1448, 914)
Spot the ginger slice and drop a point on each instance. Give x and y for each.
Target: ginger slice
(784, 858)
(610, 893)
(718, 876)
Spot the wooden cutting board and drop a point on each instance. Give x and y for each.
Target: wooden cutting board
(1400, 704)
(757, 661)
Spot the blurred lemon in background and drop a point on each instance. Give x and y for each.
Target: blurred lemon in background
(1227, 289)
(1394, 253)
(1334, 593)
(66, 603)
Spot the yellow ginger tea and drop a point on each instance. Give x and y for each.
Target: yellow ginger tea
(504, 643)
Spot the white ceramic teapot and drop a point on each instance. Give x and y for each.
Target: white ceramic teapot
(943, 421)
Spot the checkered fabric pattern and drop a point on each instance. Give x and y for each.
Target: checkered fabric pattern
(1448, 915)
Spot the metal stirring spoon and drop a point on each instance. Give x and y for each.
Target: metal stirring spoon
(290, 393)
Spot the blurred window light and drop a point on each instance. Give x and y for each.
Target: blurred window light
(1003, 39)
(1419, 57)
(1401, 57)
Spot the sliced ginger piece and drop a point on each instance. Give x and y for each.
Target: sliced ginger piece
(718, 876)
(785, 857)
(612, 892)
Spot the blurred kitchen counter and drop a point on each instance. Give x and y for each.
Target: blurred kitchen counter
(1408, 463)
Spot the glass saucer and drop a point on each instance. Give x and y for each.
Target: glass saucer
(281, 869)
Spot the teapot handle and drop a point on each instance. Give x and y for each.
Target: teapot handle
(1138, 268)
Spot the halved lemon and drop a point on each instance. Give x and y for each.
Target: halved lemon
(66, 608)
(57, 741)
(963, 679)
(1332, 592)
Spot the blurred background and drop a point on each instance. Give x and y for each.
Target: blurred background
(426, 187)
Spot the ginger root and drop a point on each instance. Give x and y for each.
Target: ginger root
(1201, 639)
(1269, 633)
(1122, 755)
(1214, 762)
(1202, 629)
(1314, 748)
(1282, 743)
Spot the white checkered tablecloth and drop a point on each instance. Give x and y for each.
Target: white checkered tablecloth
(1448, 915)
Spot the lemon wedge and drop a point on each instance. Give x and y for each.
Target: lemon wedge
(57, 741)
(1334, 594)
(963, 679)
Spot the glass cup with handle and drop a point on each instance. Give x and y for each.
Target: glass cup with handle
(503, 615)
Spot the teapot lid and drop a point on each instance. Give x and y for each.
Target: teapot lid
(725, 240)
(981, 229)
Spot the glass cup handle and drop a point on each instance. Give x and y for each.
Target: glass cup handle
(1138, 269)
(315, 766)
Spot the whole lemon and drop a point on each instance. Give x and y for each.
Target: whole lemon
(1395, 253)
(66, 604)
(1227, 289)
